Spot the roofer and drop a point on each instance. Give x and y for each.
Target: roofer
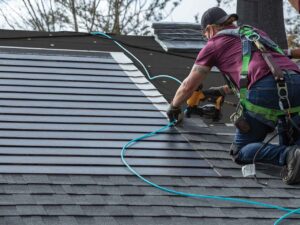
(266, 98)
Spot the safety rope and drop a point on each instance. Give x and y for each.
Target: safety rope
(157, 132)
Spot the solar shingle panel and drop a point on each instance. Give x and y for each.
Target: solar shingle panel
(179, 37)
(51, 92)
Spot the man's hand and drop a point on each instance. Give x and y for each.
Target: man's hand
(175, 114)
(292, 53)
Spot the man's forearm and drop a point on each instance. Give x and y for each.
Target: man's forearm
(182, 94)
(191, 83)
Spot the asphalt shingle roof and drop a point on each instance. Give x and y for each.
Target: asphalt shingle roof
(64, 117)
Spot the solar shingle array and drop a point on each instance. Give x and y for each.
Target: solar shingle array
(64, 116)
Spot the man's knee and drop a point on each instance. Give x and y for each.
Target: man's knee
(244, 154)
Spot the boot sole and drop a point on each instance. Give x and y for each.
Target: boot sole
(296, 176)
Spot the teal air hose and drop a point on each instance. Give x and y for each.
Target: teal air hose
(157, 132)
(287, 215)
(135, 58)
(186, 194)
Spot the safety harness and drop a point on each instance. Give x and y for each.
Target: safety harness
(252, 39)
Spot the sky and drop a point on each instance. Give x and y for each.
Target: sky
(187, 9)
(185, 12)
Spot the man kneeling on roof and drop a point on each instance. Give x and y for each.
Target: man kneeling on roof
(267, 83)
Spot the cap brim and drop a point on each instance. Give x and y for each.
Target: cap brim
(225, 18)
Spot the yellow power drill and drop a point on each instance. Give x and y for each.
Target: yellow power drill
(212, 111)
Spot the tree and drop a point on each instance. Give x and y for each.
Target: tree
(43, 15)
(111, 16)
(292, 23)
(82, 12)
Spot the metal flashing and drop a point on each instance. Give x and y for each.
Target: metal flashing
(164, 104)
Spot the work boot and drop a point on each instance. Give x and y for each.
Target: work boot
(291, 172)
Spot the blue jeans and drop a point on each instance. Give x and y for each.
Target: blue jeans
(264, 93)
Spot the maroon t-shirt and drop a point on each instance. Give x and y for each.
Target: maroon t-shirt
(225, 52)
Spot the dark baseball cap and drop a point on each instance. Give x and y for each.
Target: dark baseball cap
(215, 15)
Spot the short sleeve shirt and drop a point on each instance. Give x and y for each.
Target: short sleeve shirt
(225, 52)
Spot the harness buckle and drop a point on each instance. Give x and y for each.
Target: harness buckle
(255, 37)
(284, 102)
(244, 82)
(260, 46)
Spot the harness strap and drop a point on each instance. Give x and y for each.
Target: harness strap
(246, 51)
(248, 36)
(276, 71)
(269, 114)
(248, 32)
(271, 44)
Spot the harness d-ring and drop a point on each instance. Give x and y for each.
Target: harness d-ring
(253, 37)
